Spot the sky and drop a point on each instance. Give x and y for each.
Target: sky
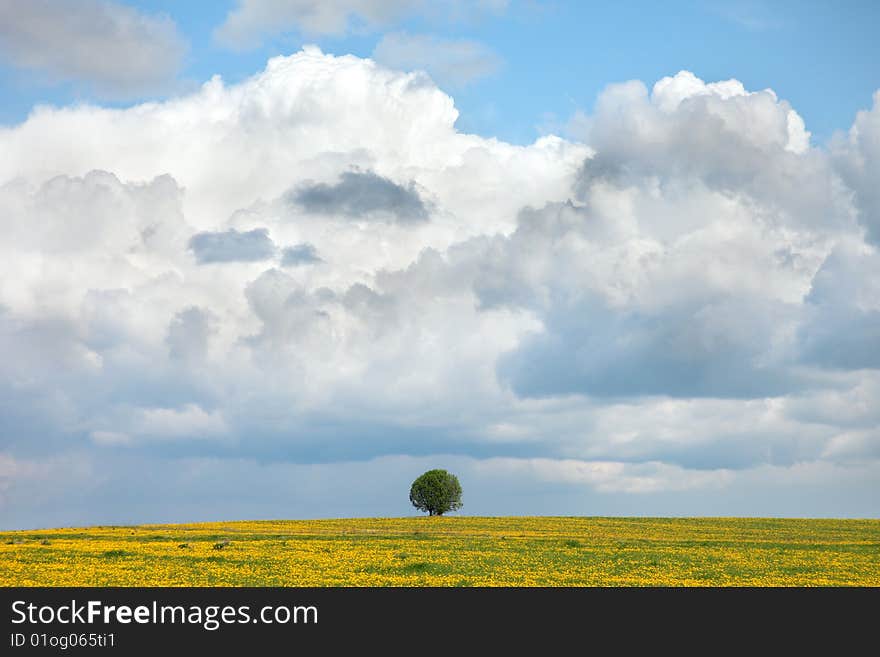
(275, 258)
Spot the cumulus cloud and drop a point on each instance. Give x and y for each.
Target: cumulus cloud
(361, 195)
(680, 309)
(232, 246)
(858, 160)
(451, 62)
(254, 20)
(693, 251)
(116, 49)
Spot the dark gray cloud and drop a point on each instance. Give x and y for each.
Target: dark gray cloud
(602, 167)
(300, 254)
(362, 194)
(232, 246)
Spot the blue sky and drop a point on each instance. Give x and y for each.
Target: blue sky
(555, 57)
(602, 259)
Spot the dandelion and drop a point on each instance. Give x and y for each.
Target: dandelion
(460, 551)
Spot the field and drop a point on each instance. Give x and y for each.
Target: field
(451, 551)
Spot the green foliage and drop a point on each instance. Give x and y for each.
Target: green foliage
(436, 492)
(112, 554)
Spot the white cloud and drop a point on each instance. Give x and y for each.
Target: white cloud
(684, 303)
(111, 438)
(451, 62)
(254, 20)
(190, 421)
(117, 50)
(612, 476)
(670, 92)
(855, 445)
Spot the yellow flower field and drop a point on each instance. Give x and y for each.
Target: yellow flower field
(451, 551)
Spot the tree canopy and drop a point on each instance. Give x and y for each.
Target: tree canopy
(436, 492)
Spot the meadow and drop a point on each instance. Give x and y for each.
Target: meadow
(451, 551)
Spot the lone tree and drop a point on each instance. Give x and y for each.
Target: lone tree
(436, 492)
